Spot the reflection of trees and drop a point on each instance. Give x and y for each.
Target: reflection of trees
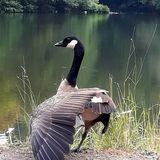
(45, 63)
(8, 101)
(8, 104)
(32, 37)
(114, 44)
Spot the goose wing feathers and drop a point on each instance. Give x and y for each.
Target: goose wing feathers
(52, 125)
(51, 131)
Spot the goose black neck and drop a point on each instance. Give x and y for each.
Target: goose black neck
(78, 57)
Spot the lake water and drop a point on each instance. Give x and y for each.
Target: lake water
(28, 39)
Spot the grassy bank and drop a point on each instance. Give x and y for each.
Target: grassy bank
(133, 127)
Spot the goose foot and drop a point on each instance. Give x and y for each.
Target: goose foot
(76, 150)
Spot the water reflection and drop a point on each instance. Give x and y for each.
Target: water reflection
(107, 41)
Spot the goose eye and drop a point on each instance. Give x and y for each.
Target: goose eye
(68, 39)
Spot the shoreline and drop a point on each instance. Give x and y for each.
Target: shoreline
(23, 152)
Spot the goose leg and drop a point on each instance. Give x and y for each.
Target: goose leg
(84, 135)
(105, 120)
(88, 125)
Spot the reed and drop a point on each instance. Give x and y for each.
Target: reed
(28, 103)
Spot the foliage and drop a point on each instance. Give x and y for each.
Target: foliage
(93, 6)
(52, 6)
(79, 5)
(133, 5)
(10, 6)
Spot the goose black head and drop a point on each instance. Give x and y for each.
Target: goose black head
(68, 42)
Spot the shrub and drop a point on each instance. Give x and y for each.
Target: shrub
(93, 6)
(11, 6)
(30, 8)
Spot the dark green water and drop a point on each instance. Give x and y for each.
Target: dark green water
(107, 40)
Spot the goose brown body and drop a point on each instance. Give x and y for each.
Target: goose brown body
(52, 123)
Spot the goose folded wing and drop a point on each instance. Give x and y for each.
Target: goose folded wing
(96, 99)
(101, 103)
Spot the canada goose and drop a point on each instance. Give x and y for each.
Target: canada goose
(52, 123)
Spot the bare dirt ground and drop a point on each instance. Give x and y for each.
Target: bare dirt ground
(25, 153)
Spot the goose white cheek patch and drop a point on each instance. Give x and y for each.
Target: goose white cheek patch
(96, 100)
(72, 44)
